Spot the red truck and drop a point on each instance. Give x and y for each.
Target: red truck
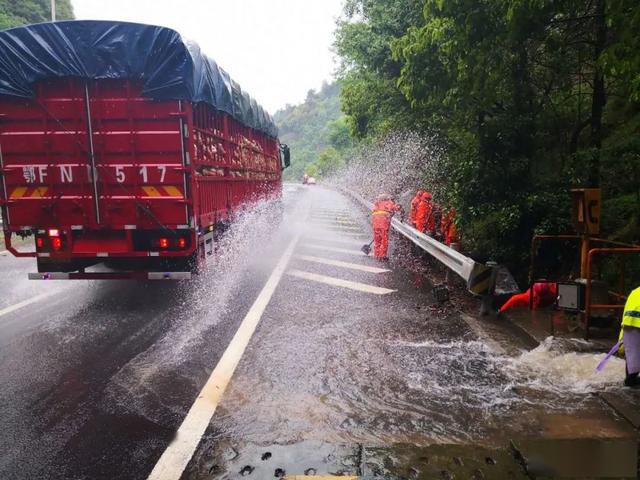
(122, 144)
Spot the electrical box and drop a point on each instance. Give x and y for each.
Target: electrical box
(586, 210)
(570, 296)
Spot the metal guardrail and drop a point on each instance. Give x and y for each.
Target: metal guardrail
(480, 277)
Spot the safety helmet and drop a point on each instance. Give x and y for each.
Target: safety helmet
(384, 196)
(426, 196)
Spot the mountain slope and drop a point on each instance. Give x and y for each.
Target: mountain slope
(314, 130)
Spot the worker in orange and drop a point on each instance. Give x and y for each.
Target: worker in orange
(423, 212)
(544, 295)
(415, 201)
(383, 210)
(448, 227)
(434, 219)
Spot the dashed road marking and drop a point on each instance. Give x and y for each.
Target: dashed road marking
(338, 282)
(336, 225)
(354, 235)
(341, 220)
(344, 241)
(341, 228)
(318, 477)
(332, 249)
(25, 303)
(338, 263)
(175, 458)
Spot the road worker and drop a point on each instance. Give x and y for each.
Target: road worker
(544, 295)
(448, 227)
(630, 337)
(433, 222)
(383, 210)
(423, 212)
(414, 207)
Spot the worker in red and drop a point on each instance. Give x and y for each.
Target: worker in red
(423, 212)
(415, 201)
(544, 295)
(448, 227)
(383, 210)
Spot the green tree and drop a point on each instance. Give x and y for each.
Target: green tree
(14, 13)
(532, 97)
(370, 99)
(311, 170)
(311, 127)
(329, 161)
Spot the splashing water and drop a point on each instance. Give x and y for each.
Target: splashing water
(398, 164)
(206, 302)
(552, 366)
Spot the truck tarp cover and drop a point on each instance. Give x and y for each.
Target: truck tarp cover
(170, 67)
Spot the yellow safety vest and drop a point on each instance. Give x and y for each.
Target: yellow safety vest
(631, 315)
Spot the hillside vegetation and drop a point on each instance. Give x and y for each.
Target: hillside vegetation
(316, 131)
(15, 13)
(530, 98)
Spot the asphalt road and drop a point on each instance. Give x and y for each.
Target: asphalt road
(294, 354)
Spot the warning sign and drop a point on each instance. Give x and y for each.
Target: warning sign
(586, 210)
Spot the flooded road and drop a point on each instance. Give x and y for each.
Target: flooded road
(351, 370)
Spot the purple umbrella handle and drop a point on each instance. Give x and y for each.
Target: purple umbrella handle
(606, 359)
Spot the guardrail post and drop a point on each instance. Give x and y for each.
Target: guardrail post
(447, 278)
(486, 305)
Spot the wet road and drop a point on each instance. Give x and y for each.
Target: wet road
(348, 368)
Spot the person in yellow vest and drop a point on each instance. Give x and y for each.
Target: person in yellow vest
(630, 337)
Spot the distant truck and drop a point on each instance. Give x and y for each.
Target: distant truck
(123, 144)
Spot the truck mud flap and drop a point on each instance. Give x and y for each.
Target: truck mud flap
(167, 276)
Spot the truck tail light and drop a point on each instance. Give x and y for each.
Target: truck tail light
(39, 242)
(54, 232)
(182, 242)
(164, 243)
(56, 243)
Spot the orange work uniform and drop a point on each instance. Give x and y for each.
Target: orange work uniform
(414, 207)
(448, 227)
(544, 295)
(381, 222)
(424, 212)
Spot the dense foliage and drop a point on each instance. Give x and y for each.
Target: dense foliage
(316, 131)
(15, 13)
(533, 97)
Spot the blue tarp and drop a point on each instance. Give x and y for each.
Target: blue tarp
(169, 66)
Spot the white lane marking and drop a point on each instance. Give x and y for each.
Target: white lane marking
(335, 225)
(331, 215)
(338, 282)
(344, 241)
(4, 252)
(338, 263)
(334, 219)
(24, 303)
(332, 249)
(175, 458)
(339, 234)
(342, 228)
